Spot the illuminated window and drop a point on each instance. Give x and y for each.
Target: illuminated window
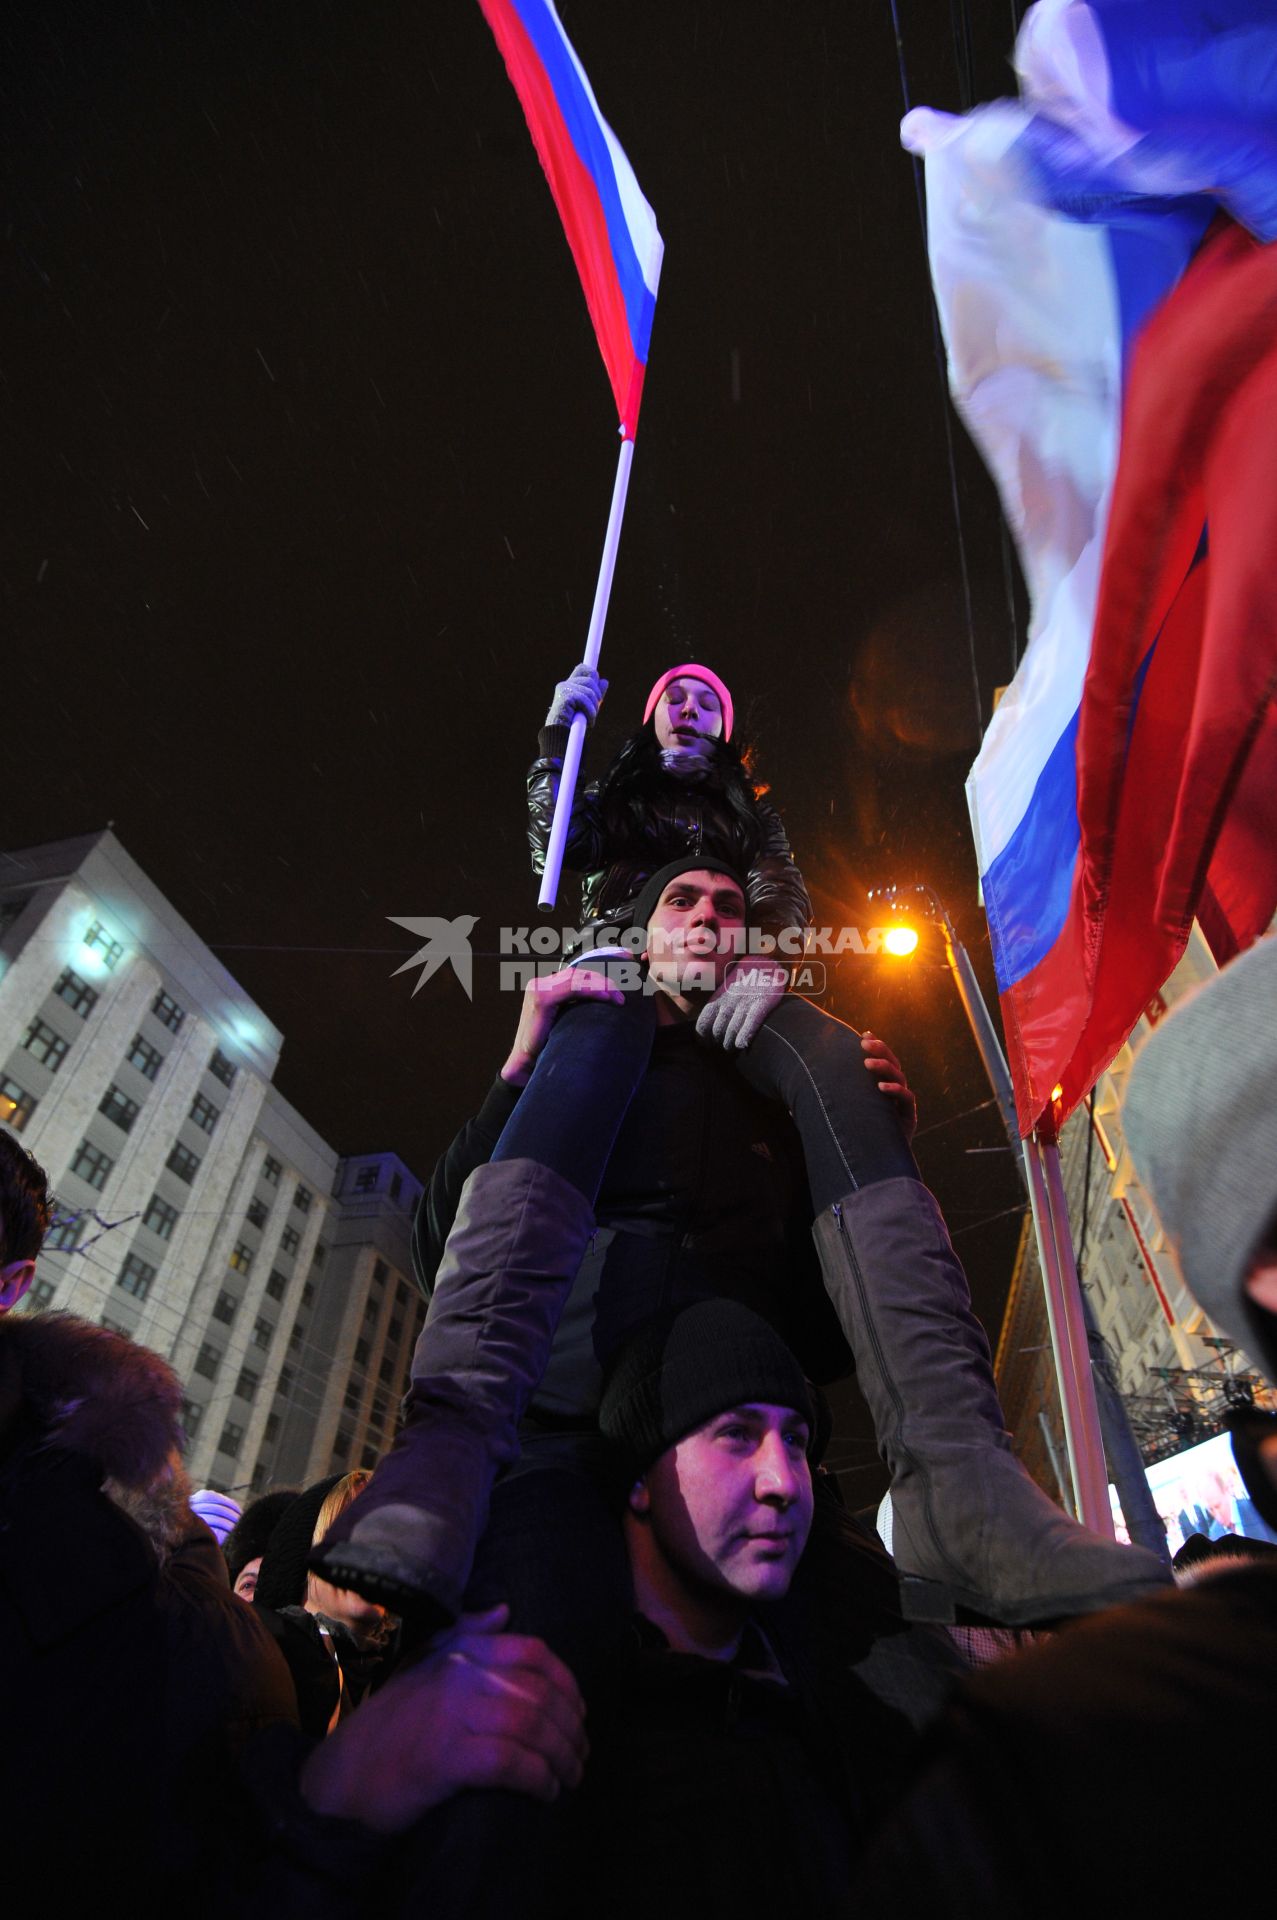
(16, 1104)
(135, 1277)
(99, 941)
(78, 994)
(167, 1011)
(144, 1057)
(241, 1257)
(118, 1108)
(46, 1046)
(92, 1165)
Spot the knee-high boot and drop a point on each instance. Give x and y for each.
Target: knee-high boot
(409, 1538)
(970, 1528)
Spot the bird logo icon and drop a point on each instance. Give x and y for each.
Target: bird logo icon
(445, 941)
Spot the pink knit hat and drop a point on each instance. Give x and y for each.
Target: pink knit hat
(691, 671)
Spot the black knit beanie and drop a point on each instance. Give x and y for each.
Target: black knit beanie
(248, 1538)
(645, 905)
(682, 1368)
(281, 1580)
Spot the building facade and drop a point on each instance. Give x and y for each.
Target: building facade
(1175, 1374)
(197, 1211)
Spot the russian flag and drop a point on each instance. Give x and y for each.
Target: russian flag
(610, 227)
(1112, 343)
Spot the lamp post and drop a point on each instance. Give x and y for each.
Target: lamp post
(1094, 1416)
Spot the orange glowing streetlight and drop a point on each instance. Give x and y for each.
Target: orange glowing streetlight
(901, 940)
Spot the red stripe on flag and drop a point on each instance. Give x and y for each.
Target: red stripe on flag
(580, 210)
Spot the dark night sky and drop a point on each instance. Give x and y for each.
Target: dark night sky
(308, 450)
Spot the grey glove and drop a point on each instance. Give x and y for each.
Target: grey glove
(742, 1003)
(581, 692)
(691, 762)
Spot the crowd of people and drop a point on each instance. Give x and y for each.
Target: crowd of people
(598, 1634)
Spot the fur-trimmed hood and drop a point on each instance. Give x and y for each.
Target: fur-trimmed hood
(82, 1388)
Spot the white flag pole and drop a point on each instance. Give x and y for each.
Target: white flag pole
(593, 647)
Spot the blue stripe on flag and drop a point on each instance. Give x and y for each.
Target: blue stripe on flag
(582, 122)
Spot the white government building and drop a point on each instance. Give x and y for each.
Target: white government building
(196, 1210)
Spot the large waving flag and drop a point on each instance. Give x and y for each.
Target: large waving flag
(1117, 364)
(610, 227)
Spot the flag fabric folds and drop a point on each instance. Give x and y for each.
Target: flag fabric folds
(1112, 340)
(610, 227)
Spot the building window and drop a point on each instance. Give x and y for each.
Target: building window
(204, 1113)
(308, 1293)
(92, 1165)
(396, 1185)
(222, 1069)
(192, 1414)
(183, 1163)
(135, 1277)
(118, 1108)
(289, 1240)
(144, 1057)
(271, 1430)
(247, 1384)
(232, 1438)
(286, 1379)
(241, 1257)
(371, 1309)
(98, 940)
(46, 1046)
(271, 1170)
(379, 1272)
(160, 1217)
(16, 1104)
(42, 1291)
(366, 1179)
(225, 1307)
(263, 1333)
(302, 1199)
(167, 1012)
(64, 1234)
(319, 1256)
(277, 1285)
(385, 1373)
(350, 1400)
(341, 1446)
(297, 1335)
(257, 1213)
(10, 910)
(394, 1332)
(361, 1353)
(257, 1479)
(369, 1457)
(207, 1361)
(78, 994)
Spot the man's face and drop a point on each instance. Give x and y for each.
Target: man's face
(730, 1506)
(690, 940)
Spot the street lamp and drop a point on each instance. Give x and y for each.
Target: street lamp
(1089, 1402)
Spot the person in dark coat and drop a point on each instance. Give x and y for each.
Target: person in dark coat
(132, 1677)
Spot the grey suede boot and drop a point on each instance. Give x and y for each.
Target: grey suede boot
(409, 1539)
(970, 1529)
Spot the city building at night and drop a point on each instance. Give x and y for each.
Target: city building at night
(196, 1210)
